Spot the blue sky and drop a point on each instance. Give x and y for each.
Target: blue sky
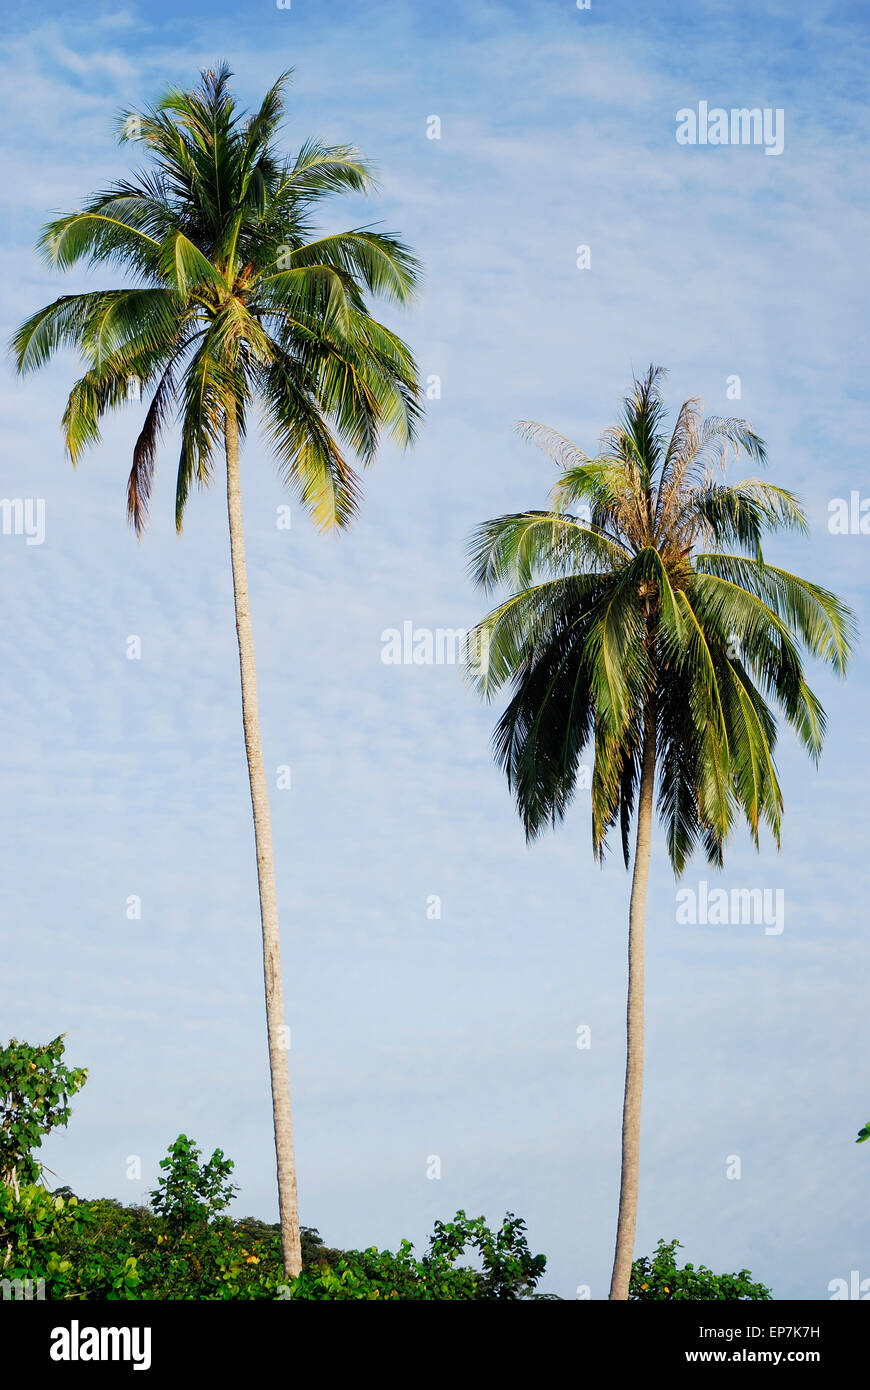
(454, 1037)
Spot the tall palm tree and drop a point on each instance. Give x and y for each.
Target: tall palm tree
(644, 620)
(235, 300)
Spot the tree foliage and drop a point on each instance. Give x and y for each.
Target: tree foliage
(111, 1251)
(233, 298)
(658, 1278)
(643, 596)
(190, 1192)
(35, 1093)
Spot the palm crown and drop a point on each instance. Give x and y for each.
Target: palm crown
(235, 300)
(653, 617)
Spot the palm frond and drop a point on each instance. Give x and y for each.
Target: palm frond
(216, 311)
(623, 628)
(515, 549)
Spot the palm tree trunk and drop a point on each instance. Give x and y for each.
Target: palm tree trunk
(275, 1027)
(627, 1223)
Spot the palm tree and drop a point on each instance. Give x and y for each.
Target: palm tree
(644, 620)
(236, 301)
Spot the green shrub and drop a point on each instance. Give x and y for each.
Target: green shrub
(35, 1091)
(225, 1259)
(658, 1277)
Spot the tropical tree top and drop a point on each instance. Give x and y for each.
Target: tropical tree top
(643, 610)
(235, 298)
(36, 1089)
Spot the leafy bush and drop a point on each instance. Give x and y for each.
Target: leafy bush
(182, 1247)
(658, 1277)
(213, 1260)
(189, 1193)
(510, 1271)
(225, 1259)
(35, 1091)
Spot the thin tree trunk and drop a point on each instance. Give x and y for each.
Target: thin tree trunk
(275, 1026)
(627, 1223)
